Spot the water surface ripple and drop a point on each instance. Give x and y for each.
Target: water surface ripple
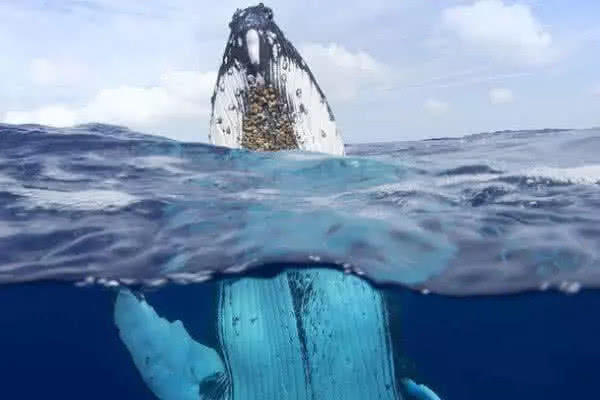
(484, 214)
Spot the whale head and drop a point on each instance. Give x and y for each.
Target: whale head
(266, 97)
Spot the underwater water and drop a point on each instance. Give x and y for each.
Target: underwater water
(469, 266)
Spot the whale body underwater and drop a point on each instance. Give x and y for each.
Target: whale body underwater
(305, 333)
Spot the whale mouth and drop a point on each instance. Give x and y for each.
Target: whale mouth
(266, 98)
(267, 125)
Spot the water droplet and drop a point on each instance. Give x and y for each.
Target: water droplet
(251, 80)
(285, 64)
(570, 287)
(86, 282)
(219, 120)
(228, 131)
(230, 71)
(222, 87)
(231, 107)
(323, 133)
(303, 109)
(299, 92)
(283, 77)
(111, 283)
(238, 92)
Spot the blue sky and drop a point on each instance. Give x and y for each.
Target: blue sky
(392, 70)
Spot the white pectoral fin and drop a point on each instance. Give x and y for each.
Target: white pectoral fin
(419, 391)
(172, 364)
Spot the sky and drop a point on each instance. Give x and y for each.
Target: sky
(392, 70)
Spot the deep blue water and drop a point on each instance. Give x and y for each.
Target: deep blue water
(485, 249)
(58, 341)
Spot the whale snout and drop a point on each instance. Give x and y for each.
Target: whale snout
(251, 18)
(253, 37)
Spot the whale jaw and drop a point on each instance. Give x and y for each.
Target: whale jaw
(266, 97)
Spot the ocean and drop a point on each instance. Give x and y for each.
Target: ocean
(478, 257)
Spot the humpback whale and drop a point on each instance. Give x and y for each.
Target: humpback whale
(305, 333)
(266, 97)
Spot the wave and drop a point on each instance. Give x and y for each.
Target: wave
(494, 213)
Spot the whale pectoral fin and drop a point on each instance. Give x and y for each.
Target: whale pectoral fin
(419, 391)
(172, 364)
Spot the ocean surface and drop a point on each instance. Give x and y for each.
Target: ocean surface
(486, 249)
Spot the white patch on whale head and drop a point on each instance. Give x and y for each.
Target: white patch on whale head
(253, 45)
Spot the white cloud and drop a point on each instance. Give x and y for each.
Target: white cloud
(341, 73)
(53, 115)
(501, 96)
(182, 98)
(506, 32)
(436, 107)
(179, 95)
(190, 85)
(51, 73)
